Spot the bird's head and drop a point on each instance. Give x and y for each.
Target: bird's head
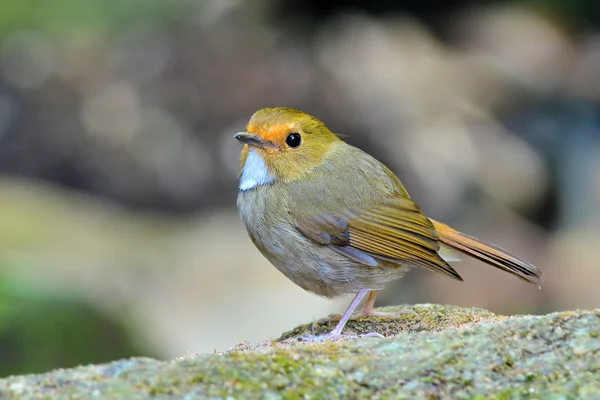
(282, 144)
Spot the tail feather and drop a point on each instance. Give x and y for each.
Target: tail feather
(487, 253)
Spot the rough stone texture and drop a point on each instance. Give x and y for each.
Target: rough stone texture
(439, 352)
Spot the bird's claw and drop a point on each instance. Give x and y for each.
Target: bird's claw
(330, 336)
(317, 339)
(373, 334)
(381, 314)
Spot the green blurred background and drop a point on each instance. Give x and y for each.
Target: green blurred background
(118, 229)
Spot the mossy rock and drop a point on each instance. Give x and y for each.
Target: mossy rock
(440, 352)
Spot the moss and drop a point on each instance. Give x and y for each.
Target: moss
(427, 317)
(442, 352)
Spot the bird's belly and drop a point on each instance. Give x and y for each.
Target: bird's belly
(312, 266)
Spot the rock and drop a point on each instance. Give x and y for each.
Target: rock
(439, 352)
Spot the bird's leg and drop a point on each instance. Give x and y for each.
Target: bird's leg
(337, 331)
(367, 311)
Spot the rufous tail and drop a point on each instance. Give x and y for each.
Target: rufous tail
(487, 253)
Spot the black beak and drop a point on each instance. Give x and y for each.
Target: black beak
(252, 140)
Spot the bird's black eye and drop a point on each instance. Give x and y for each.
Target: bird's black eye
(293, 140)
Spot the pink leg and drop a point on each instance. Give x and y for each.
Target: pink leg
(367, 311)
(337, 331)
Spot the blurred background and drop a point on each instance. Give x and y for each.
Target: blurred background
(118, 229)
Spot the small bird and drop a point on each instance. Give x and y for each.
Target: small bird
(334, 220)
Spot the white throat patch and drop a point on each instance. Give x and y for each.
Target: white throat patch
(254, 172)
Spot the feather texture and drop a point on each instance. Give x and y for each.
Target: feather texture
(487, 253)
(335, 220)
(389, 228)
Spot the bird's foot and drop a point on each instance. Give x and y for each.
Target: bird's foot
(381, 314)
(319, 338)
(373, 334)
(366, 310)
(333, 335)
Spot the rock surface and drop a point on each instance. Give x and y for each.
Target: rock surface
(439, 352)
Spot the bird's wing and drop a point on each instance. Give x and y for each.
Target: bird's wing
(389, 227)
(395, 231)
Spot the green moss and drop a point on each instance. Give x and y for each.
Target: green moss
(443, 352)
(427, 317)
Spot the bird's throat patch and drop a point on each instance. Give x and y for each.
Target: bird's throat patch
(254, 172)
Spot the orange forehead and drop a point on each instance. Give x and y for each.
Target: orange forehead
(272, 131)
(276, 123)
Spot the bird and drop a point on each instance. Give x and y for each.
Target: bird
(334, 220)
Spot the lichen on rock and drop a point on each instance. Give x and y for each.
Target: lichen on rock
(441, 352)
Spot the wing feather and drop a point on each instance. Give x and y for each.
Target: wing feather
(366, 216)
(402, 236)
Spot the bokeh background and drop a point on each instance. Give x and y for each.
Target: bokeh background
(118, 229)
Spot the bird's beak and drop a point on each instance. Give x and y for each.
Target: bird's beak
(252, 140)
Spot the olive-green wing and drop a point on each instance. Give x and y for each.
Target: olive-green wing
(395, 231)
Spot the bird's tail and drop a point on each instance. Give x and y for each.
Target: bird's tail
(487, 253)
